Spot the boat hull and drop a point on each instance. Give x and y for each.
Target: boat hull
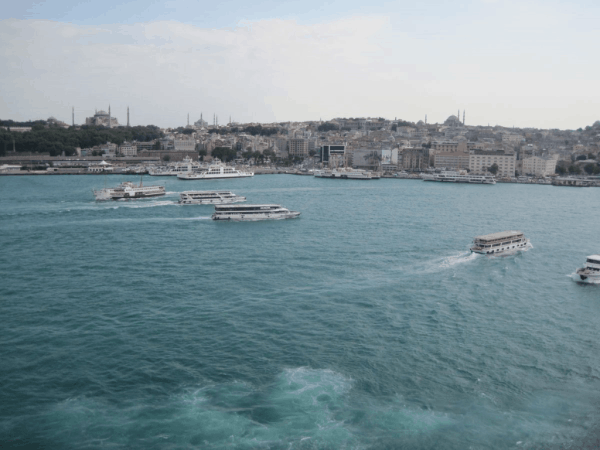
(256, 217)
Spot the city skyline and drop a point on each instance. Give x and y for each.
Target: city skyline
(522, 64)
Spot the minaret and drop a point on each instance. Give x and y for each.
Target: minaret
(73, 115)
(463, 116)
(128, 117)
(425, 119)
(109, 124)
(458, 116)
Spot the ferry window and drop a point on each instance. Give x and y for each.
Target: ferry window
(496, 245)
(593, 262)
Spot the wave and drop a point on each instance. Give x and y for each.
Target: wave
(150, 204)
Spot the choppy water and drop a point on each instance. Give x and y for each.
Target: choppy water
(365, 324)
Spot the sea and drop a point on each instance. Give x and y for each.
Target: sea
(366, 323)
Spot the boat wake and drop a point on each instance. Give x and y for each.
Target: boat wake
(198, 218)
(458, 259)
(151, 204)
(577, 279)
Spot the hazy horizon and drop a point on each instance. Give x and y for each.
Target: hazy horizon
(522, 64)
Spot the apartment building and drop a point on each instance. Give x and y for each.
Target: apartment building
(481, 160)
(540, 166)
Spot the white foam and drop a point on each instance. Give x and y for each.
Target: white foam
(150, 204)
(458, 259)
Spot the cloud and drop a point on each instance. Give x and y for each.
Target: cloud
(280, 70)
(165, 69)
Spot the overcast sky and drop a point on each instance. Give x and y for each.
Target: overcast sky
(513, 63)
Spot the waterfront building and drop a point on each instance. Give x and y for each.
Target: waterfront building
(333, 153)
(481, 160)
(451, 160)
(414, 158)
(540, 166)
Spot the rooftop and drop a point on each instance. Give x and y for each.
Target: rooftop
(499, 235)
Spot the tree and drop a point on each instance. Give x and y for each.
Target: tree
(202, 153)
(575, 170)
(590, 168)
(591, 156)
(561, 170)
(166, 158)
(328, 126)
(312, 152)
(493, 169)
(394, 127)
(581, 158)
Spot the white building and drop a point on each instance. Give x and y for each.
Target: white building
(540, 167)
(481, 160)
(128, 149)
(184, 144)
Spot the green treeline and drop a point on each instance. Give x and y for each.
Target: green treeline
(56, 140)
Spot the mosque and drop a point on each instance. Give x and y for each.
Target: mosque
(102, 118)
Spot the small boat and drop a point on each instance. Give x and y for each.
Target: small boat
(500, 243)
(591, 272)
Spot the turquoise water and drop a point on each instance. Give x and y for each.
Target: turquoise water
(364, 324)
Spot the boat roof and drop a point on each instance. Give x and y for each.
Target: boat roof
(206, 192)
(594, 257)
(499, 235)
(244, 206)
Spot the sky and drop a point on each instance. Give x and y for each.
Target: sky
(527, 63)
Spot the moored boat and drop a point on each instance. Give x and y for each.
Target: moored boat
(215, 171)
(457, 177)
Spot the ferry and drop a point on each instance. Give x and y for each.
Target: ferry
(215, 171)
(456, 177)
(591, 272)
(129, 190)
(345, 174)
(499, 243)
(174, 169)
(209, 198)
(253, 212)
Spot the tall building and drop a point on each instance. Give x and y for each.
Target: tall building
(298, 147)
(333, 153)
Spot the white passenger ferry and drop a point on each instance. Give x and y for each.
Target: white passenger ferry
(209, 198)
(215, 171)
(174, 169)
(253, 212)
(591, 272)
(345, 174)
(456, 177)
(129, 190)
(499, 243)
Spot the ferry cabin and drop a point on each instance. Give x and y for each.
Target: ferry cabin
(593, 263)
(499, 242)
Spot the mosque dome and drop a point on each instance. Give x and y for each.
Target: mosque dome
(452, 121)
(596, 124)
